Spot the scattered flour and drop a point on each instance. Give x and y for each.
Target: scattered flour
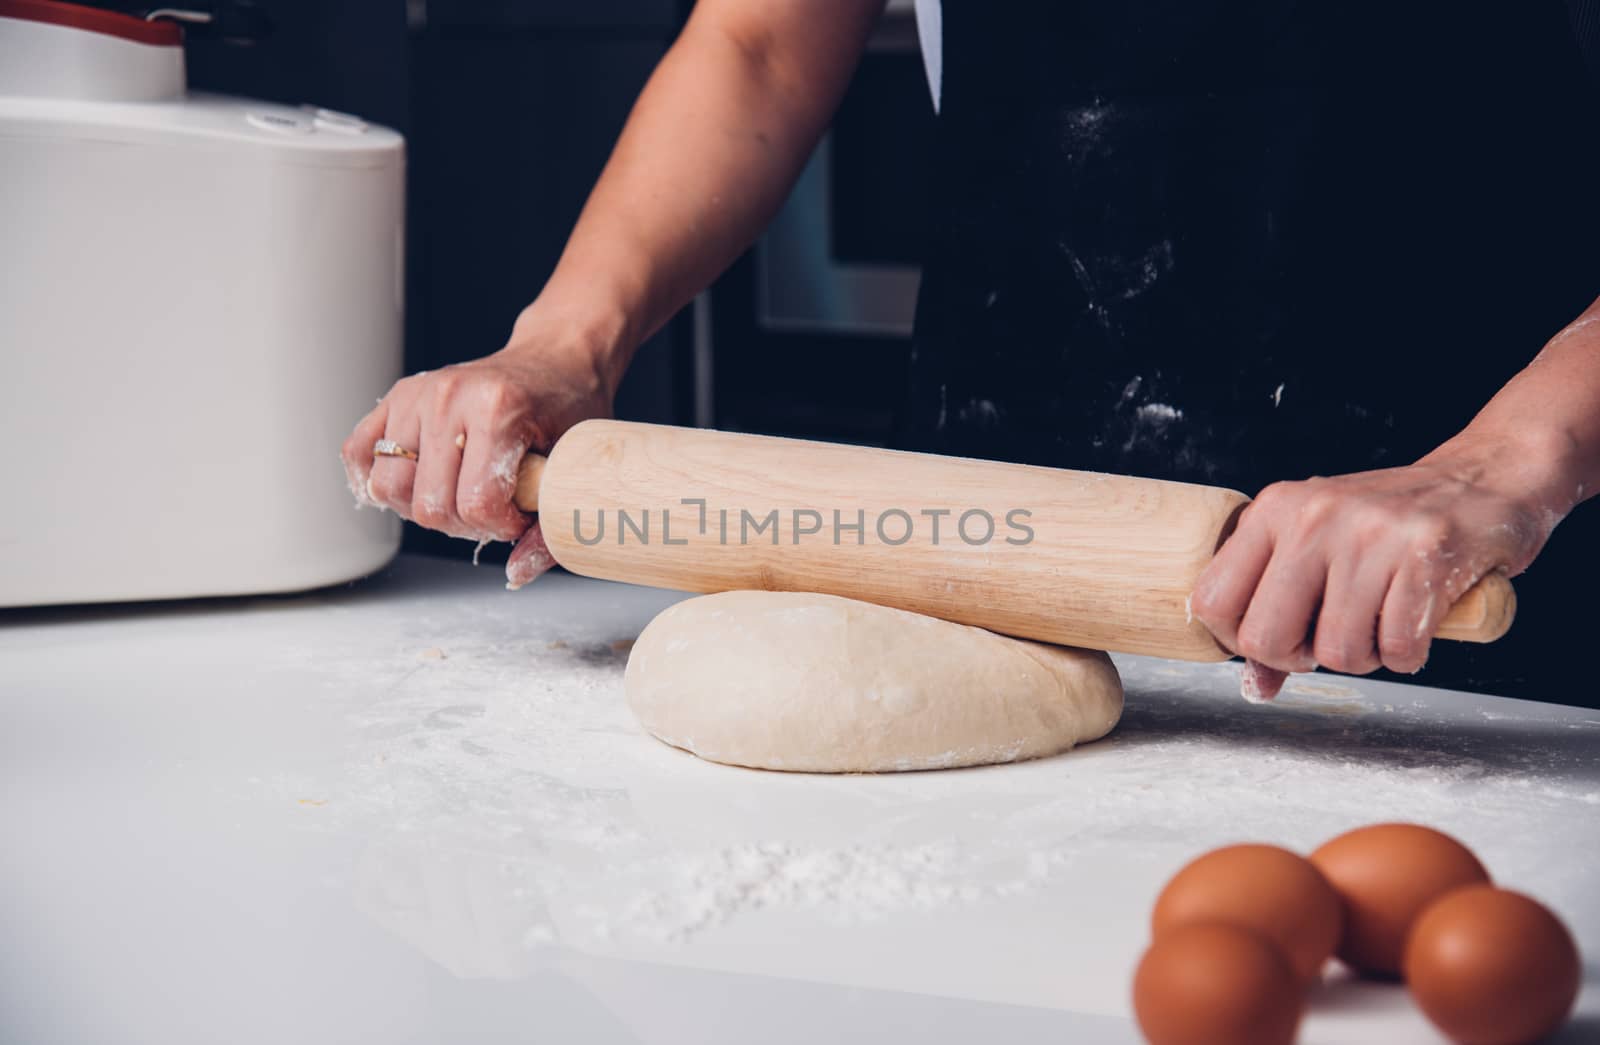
(840, 885)
(1159, 412)
(509, 781)
(505, 467)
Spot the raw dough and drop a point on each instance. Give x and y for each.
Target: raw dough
(822, 684)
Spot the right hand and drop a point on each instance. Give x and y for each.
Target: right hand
(471, 425)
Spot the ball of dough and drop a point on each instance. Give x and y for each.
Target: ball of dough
(822, 684)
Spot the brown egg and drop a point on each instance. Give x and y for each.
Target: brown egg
(1210, 983)
(1386, 874)
(1262, 887)
(1492, 967)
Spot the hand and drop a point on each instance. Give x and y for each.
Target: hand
(1356, 572)
(471, 424)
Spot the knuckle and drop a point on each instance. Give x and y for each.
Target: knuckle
(387, 488)
(482, 507)
(1318, 506)
(427, 511)
(1341, 653)
(1371, 523)
(476, 502)
(382, 485)
(498, 397)
(1272, 499)
(444, 400)
(1331, 653)
(1399, 652)
(1430, 530)
(1257, 642)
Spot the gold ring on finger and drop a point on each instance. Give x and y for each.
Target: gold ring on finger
(390, 448)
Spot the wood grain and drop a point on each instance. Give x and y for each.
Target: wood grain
(1109, 565)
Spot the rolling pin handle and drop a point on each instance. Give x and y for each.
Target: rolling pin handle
(531, 471)
(1483, 614)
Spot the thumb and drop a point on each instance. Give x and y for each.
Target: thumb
(530, 558)
(1259, 683)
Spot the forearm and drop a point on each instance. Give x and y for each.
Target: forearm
(707, 156)
(1540, 435)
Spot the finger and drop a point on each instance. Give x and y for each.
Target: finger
(1259, 683)
(1419, 597)
(1346, 636)
(530, 558)
(1276, 627)
(392, 478)
(356, 453)
(1222, 593)
(433, 495)
(488, 479)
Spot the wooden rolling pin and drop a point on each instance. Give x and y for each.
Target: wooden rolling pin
(1076, 558)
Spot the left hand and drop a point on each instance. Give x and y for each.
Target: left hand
(1356, 572)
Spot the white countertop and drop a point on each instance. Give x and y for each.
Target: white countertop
(417, 810)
